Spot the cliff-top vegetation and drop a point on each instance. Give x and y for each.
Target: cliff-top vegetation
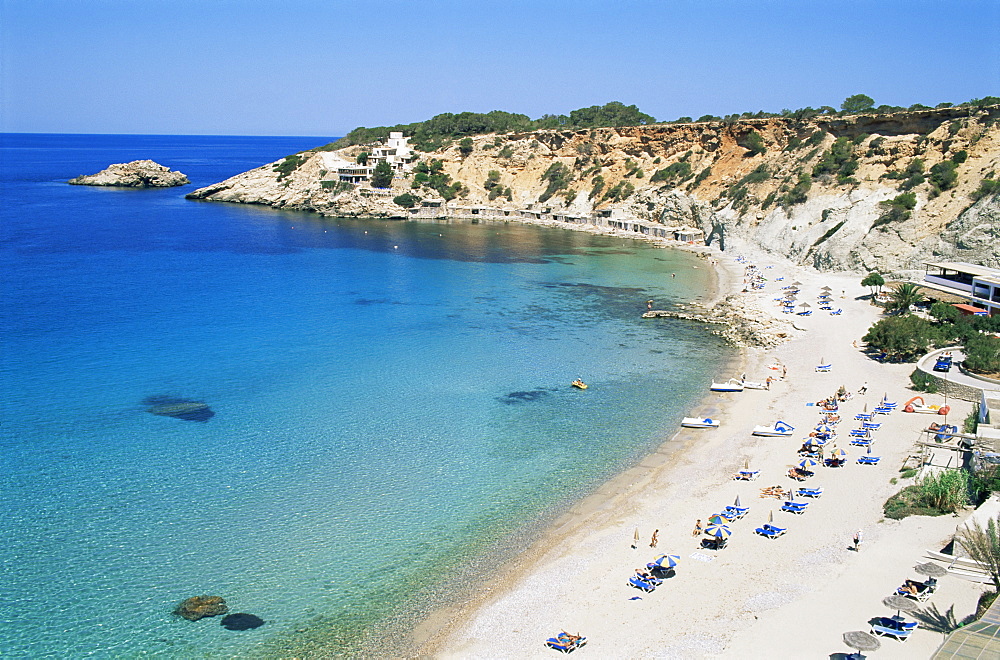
(439, 130)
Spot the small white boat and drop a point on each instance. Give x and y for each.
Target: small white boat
(731, 385)
(778, 429)
(751, 385)
(700, 423)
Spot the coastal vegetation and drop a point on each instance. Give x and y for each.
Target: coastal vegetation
(983, 545)
(934, 495)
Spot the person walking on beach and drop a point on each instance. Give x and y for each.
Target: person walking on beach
(857, 541)
(653, 541)
(863, 388)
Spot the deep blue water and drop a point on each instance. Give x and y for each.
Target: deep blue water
(391, 400)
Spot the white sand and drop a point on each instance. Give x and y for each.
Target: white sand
(793, 596)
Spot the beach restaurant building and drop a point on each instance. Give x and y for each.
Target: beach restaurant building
(979, 285)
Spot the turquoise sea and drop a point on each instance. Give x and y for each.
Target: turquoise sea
(392, 409)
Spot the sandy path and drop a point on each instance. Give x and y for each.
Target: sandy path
(800, 591)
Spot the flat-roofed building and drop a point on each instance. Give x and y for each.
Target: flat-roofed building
(979, 285)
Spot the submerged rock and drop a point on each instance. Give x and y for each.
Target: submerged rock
(198, 607)
(242, 621)
(186, 409)
(137, 174)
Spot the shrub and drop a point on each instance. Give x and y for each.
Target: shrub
(619, 192)
(559, 176)
(914, 174)
(960, 157)
(943, 175)
(289, 165)
(506, 152)
(830, 232)
(986, 187)
(754, 144)
(799, 193)
(704, 174)
(382, 175)
(923, 382)
(971, 423)
(465, 146)
(598, 182)
(896, 209)
(934, 495)
(982, 353)
(903, 337)
(838, 160)
(406, 200)
(676, 171)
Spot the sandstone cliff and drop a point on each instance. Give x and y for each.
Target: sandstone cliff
(137, 174)
(815, 191)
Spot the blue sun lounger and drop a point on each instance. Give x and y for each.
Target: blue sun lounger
(808, 312)
(810, 492)
(861, 442)
(860, 433)
(869, 460)
(737, 511)
(864, 417)
(795, 507)
(565, 644)
(824, 367)
(886, 627)
(747, 475)
(770, 531)
(641, 584)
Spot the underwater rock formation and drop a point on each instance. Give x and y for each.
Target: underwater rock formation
(198, 607)
(186, 409)
(242, 621)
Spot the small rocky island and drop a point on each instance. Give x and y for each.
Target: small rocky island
(137, 174)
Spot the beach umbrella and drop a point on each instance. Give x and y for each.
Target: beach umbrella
(770, 516)
(807, 463)
(737, 502)
(816, 442)
(636, 544)
(900, 604)
(716, 519)
(666, 561)
(838, 453)
(718, 531)
(862, 641)
(930, 570)
(796, 283)
(804, 305)
(825, 288)
(746, 464)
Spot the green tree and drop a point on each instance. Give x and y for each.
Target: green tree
(857, 103)
(904, 296)
(944, 312)
(873, 281)
(903, 337)
(406, 200)
(362, 158)
(982, 353)
(943, 176)
(382, 176)
(983, 545)
(465, 146)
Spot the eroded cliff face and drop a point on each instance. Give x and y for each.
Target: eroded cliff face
(715, 176)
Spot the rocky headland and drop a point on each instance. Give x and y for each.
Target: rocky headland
(137, 174)
(857, 193)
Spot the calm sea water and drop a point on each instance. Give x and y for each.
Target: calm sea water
(391, 399)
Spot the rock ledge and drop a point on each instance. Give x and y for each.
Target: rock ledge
(137, 174)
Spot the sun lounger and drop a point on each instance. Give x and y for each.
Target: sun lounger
(810, 492)
(861, 442)
(642, 584)
(859, 433)
(736, 512)
(823, 367)
(864, 417)
(565, 644)
(837, 312)
(888, 631)
(747, 475)
(869, 460)
(808, 312)
(770, 531)
(871, 426)
(883, 411)
(795, 507)
(834, 462)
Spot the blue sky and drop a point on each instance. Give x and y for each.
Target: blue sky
(322, 67)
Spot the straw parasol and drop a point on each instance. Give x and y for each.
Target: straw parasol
(737, 502)
(901, 604)
(862, 641)
(796, 283)
(930, 570)
(636, 544)
(825, 288)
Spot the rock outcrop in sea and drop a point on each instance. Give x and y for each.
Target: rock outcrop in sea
(198, 607)
(137, 174)
(860, 193)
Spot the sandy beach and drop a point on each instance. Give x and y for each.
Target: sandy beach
(794, 595)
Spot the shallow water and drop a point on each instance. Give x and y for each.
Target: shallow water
(390, 399)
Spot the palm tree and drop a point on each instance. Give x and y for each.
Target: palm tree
(903, 297)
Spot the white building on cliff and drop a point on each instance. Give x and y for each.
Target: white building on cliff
(396, 152)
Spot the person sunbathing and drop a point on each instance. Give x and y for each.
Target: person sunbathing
(914, 587)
